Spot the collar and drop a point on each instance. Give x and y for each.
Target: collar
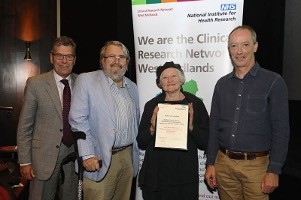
(253, 71)
(111, 82)
(58, 78)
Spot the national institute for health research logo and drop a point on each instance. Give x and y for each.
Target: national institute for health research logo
(143, 2)
(229, 6)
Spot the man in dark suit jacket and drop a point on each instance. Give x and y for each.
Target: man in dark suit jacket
(40, 128)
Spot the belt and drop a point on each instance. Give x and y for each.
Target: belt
(243, 155)
(118, 149)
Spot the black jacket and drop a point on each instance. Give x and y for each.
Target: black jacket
(174, 166)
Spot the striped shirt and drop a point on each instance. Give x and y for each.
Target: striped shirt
(124, 113)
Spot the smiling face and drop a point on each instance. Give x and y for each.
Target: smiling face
(242, 48)
(114, 63)
(63, 67)
(170, 80)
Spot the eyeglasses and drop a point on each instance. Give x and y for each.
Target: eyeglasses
(112, 58)
(59, 56)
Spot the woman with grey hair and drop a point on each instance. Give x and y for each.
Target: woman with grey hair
(168, 173)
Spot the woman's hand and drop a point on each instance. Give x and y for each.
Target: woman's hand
(153, 120)
(190, 111)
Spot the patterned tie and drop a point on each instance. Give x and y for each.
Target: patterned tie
(67, 134)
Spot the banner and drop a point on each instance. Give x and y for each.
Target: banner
(193, 34)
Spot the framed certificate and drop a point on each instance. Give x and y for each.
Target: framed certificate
(171, 127)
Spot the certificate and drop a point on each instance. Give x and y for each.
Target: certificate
(171, 127)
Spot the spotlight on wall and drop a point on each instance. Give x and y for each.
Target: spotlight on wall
(27, 55)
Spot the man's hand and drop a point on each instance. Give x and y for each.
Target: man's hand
(91, 164)
(269, 182)
(27, 172)
(210, 177)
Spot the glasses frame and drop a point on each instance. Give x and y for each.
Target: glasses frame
(69, 57)
(120, 58)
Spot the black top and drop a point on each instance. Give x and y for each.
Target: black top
(173, 165)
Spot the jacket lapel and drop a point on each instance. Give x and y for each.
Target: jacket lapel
(53, 93)
(105, 88)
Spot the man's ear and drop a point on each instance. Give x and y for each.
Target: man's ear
(255, 47)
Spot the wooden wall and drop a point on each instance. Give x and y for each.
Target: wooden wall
(20, 21)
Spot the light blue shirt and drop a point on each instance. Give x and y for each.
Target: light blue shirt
(124, 113)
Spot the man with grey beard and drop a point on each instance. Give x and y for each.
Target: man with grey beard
(105, 106)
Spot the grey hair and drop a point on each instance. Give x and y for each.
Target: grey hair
(65, 41)
(181, 74)
(116, 43)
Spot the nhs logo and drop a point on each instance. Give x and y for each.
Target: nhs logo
(230, 6)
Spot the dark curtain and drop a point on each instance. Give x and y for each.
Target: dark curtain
(92, 24)
(267, 18)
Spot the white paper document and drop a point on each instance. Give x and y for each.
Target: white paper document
(171, 127)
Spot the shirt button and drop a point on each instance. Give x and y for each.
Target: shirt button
(233, 135)
(237, 108)
(239, 95)
(235, 122)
